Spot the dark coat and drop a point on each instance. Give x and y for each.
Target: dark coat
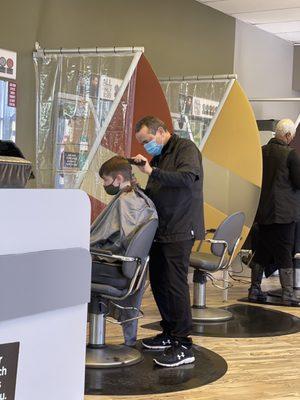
(280, 194)
(176, 188)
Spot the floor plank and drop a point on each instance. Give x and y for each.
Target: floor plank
(259, 368)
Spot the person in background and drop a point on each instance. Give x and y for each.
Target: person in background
(278, 210)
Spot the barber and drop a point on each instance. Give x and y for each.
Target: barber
(175, 185)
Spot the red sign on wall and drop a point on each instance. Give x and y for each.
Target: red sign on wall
(12, 94)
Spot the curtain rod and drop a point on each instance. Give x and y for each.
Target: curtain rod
(41, 52)
(278, 99)
(197, 78)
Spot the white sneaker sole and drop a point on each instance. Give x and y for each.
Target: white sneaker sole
(155, 347)
(182, 362)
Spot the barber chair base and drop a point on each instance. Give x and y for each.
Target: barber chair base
(147, 378)
(112, 356)
(249, 321)
(209, 314)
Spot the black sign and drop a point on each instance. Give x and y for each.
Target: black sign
(71, 160)
(9, 354)
(12, 94)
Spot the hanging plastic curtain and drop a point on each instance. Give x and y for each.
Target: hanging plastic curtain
(84, 107)
(84, 117)
(193, 104)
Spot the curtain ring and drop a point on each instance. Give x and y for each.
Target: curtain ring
(78, 49)
(114, 49)
(60, 50)
(96, 50)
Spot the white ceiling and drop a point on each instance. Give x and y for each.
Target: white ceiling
(280, 17)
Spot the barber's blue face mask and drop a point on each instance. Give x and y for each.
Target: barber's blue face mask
(153, 148)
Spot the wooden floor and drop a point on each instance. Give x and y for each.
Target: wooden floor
(260, 368)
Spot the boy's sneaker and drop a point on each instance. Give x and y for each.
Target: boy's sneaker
(174, 356)
(159, 342)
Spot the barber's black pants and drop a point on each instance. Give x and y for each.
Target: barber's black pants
(169, 264)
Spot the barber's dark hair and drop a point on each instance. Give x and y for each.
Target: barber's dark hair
(116, 165)
(151, 122)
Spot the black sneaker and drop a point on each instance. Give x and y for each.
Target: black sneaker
(159, 342)
(176, 355)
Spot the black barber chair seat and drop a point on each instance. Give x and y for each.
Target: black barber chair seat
(109, 274)
(206, 261)
(132, 268)
(223, 245)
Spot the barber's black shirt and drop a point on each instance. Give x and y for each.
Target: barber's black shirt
(176, 188)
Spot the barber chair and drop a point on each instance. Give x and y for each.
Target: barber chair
(15, 170)
(133, 266)
(223, 246)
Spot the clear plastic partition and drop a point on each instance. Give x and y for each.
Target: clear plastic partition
(193, 105)
(84, 105)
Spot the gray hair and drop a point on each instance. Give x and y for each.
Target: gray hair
(285, 126)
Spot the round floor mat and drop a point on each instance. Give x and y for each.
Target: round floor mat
(247, 321)
(146, 378)
(273, 299)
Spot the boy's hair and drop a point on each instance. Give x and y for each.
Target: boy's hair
(116, 165)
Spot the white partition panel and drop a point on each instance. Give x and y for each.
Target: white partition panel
(43, 219)
(51, 358)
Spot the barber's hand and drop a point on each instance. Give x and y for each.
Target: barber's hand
(145, 168)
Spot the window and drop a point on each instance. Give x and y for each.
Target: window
(7, 114)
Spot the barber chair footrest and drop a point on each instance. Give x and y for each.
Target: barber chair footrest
(210, 314)
(112, 356)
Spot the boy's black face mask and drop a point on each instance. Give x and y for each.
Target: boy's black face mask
(111, 189)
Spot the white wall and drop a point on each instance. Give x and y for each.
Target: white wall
(264, 65)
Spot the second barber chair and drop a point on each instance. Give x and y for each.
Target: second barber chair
(133, 267)
(223, 246)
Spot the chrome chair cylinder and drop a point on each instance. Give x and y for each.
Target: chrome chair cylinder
(97, 329)
(199, 295)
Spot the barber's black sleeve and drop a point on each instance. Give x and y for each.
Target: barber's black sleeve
(294, 167)
(188, 168)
